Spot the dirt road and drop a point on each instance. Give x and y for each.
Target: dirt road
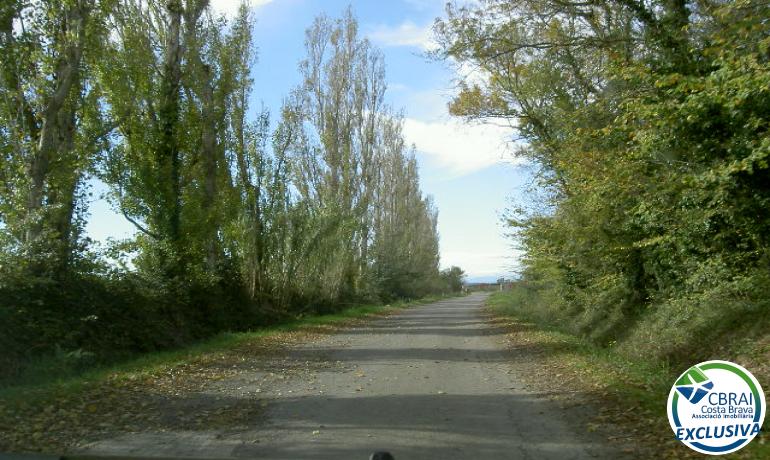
(433, 382)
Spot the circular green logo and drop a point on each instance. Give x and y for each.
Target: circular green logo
(716, 407)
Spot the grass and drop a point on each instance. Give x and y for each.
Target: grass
(618, 381)
(50, 378)
(648, 374)
(644, 381)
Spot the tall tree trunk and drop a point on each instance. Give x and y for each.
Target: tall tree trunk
(211, 153)
(168, 216)
(203, 84)
(55, 140)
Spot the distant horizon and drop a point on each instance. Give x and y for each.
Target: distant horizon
(486, 279)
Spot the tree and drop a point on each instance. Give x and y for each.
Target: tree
(239, 222)
(169, 168)
(454, 278)
(405, 245)
(650, 154)
(371, 232)
(50, 127)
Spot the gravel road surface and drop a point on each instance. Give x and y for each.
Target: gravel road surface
(432, 382)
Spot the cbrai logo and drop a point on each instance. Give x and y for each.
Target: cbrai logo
(716, 407)
(694, 385)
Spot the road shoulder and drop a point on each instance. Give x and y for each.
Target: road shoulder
(594, 392)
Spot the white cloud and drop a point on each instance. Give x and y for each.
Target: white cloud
(230, 7)
(471, 74)
(458, 147)
(405, 34)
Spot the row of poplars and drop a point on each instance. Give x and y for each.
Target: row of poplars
(238, 216)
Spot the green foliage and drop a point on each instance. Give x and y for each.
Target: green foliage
(239, 224)
(649, 121)
(370, 232)
(453, 278)
(49, 131)
(62, 372)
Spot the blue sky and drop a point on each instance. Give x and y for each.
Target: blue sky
(466, 168)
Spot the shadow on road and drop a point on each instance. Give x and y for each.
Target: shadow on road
(351, 428)
(336, 411)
